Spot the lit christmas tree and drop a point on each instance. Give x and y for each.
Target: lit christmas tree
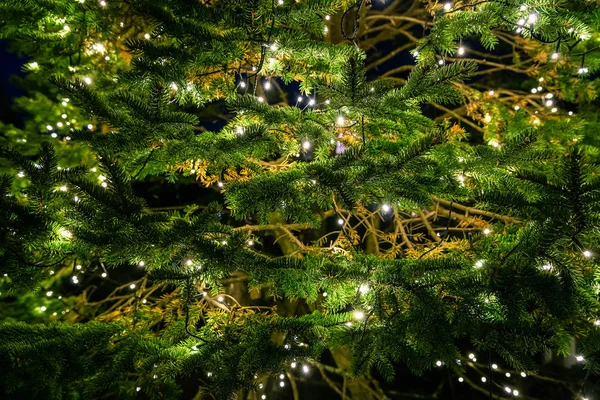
(262, 199)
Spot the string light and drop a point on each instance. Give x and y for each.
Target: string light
(363, 289)
(132, 286)
(305, 369)
(306, 145)
(580, 359)
(267, 85)
(359, 315)
(340, 121)
(447, 6)
(587, 253)
(385, 208)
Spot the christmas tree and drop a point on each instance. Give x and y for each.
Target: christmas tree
(301, 199)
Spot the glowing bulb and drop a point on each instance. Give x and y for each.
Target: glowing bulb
(220, 184)
(479, 264)
(494, 366)
(43, 308)
(461, 51)
(483, 379)
(507, 389)
(340, 221)
(532, 18)
(293, 365)
(461, 380)
(471, 356)
(447, 6)
(49, 293)
(132, 286)
(340, 120)
(267, 85)
(587, 254)
(363, 289)
(146, 36)
(438, 363)
(486, 231)
(305, 369)
(103, 275)
(141, 263)
(555, 56)
(65, 233)
(188, 262)
(507, 374)
(220, 299)
(358, 315)
(306, 145)
(103, 3)
(242, 84)
(491, 92)
(523, 374)
(385, 208)
(87, 80)
(580, 358)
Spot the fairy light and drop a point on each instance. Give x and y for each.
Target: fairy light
(49, 293)
(494, 366)
(103, 3)
(103, 275)
(43, 308)
(483, 379)
(188, 262)
(587, 253)
(21, 174)
(555, 55)
(267, 85)
(220, 299)
(580, 359)
(438, 363)
(471, 356)
(293, 365)
(479, 264)
(75, 279)
(487, 231)
(447, 6)
(385, 208)
(141, 263)
(532, 19)
(220, 184)
(306, 145)
(340, 221)
(132, 286)
(340, 121)
(363, 288)
(78, 267)
(461, 379)
(305, 369)
(461, 51)
(250, 243)
(147, 36)
(523, 374)
(65, 233)
(34, 65)
(359, 315)
(507, 374)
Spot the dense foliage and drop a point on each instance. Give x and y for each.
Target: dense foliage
(330, 220)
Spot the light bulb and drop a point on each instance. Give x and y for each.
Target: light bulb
(447, 6)
(532, 18)
(555, 56)
(306, 145)
(340, 221)
(188, 262)
(483, 379)
(385, 208)
(461, 51)
(363, 289)
(587, 253)
(267, 85)
(340, 120)
(438, 363)
(49, 293)
(132, 286)
(358, 315)
(305, 369)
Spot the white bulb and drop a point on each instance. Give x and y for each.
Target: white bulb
(340, 120)
(87, 80)
(103, 3)
(507, 389)
(340, 221)
(242, 84)
(293, 365)
(359, 315)
(324, 294)
(141, 263)
(103, 275)
(49, 293)
(523, 374)
(137, 389)
(461, 51)
(570, 112)
(491, 92)
(281, 384)
(220, 299)
(486, 231)
(146, 36)
(483, 379)
(363, 289)
(49, 127)
(385, 208)
(461, 380)
(132, 286)
(311, 102)
(507, 374)
(521, 22)
(479, 264)
(579, 358)
(306, 145)
(220, 184)
(260, 99)
(188, 262)
(516, 393)
(54, 135)
(305, 369)
(267, 85)
(280, 2)
(587, 254)
(555, 56)
(43, 308)
(78, 267)
(549, 103)
(299, 99)
(90, 126)
(532, 18)
(438, 363)
(250, 243)
(471, 356)
(448, 6)
(534, 90)
(327, 18)
(274, 47)
(597, 322)
(554, 109)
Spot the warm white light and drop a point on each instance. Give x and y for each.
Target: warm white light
(103, 275)
(580, 358)
(306, 145)
(188, 262)
(293, 365)
(220, 299)
(363, 289)
(532, 18)
(461, 380)
(587, 254)
(461, 51)
(486, 231)
(103, 3)
(359, 315)
(494, 366)
(43, 308)
(305, 369)
(340, 221)
(479, 264)
(491, 92)
(438, 363)
(555, 56)
(507, 374)
(507, 389)
(220, 184)
(385, 208)
(523, 374)
(64, 233)
(447, 6)
(483, 379)
(340, 120)
(141, 263)
(132, 286)
(146, 36)
(471, 356)
(49, 293)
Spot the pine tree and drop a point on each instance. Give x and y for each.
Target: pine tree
(248, 198)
